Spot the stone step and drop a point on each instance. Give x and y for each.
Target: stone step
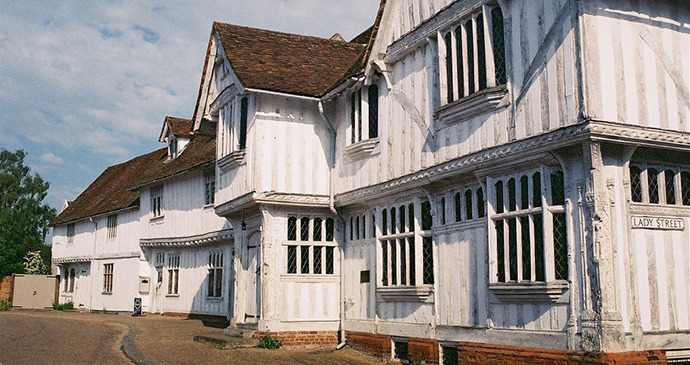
(239, 332)
(227, 342)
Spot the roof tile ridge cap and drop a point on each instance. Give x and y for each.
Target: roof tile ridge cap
(325, 40)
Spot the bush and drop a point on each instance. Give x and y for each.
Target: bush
(61, 307)
(270, 342)
(5, 305)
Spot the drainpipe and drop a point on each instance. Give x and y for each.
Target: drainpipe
(93, 259)
(331, 206)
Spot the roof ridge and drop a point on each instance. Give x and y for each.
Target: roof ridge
(287, 33)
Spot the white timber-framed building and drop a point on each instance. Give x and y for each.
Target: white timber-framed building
(465, 179)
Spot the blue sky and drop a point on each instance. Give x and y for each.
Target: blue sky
(87, 84)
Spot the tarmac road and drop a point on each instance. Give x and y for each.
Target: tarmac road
(37, 337)
(74, 337)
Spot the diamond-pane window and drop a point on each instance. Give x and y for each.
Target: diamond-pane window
(560, 246)
(329, 229)
(317, 229)
(410, 243)
(669, 179)
(292, 229)
(329, 260)
(685, 186)
(636, 184)
(498, 45)
(468, 203)
(481, 211)
(428, 260)
(292, 259)
(304, 229)
(458, 207)
(481, 56)
(427, 221)
(384, 262)
(317, 259)
(304, 257)
(403, 262)
(653, 181)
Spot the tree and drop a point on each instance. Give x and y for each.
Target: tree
(34, 265)
(24, 217)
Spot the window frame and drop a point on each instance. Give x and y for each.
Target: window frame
(156, 201)
(70, 233)
(463, 94)
(409, 238)
(173, 270)
(108, 269)
(681, 192)
(320, 254)
(363, 114)
(214, 287)
(111, 225)
(539, 215)
(209, 188)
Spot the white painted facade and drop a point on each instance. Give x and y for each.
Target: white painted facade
(543, 201)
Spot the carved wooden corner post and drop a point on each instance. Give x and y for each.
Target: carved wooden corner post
(602, 325)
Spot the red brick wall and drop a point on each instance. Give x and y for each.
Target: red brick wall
(422, 349)
(376, 345)
(480, 354)
(6, 288)
(304, 338)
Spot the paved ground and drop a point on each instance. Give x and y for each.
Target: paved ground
(53, 337)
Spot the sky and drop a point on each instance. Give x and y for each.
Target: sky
(87, 84)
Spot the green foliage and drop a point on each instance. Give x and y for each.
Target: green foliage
(220, 347)
(270, 342)
(5, 305)
(62, 307)
(23, 217)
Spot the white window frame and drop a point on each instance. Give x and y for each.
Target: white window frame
(394, 252)
(318, 252)
(209, 188)
(360, 114)
(108, 270)
(679, 172)
(509, 288)
(70, 233)
(173, 274)
(214, 287)
(172, 147)
(156, 201)
(111, 226)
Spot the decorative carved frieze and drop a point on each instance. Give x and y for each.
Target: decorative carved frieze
(190, 241)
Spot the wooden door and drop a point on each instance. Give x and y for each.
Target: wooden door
(253, 288)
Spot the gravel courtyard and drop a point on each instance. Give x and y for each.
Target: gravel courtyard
(54, 337)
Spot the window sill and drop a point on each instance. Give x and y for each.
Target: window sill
(362, 149)
(529, 292)
(231, 161)
(214, 298)
(172, 295)
(208, 206)
(405, 293)
(479, 103)
(158, 219)
(106, 293)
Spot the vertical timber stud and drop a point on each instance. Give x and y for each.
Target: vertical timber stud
(602, 327)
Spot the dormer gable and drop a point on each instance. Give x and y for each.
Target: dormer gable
(176, 133)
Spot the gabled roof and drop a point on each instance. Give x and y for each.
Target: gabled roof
(116, 188)
(283, 62)
(179, 127)
(109, 192)
(200, 151)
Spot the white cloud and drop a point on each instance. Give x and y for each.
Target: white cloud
(50, 158)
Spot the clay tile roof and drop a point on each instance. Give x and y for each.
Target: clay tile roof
(109, 192)
(283, 62)
(115, 189)
(180, 127)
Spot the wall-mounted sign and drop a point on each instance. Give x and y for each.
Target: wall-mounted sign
(663, 223)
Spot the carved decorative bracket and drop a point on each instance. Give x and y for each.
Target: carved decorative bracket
(362, 149)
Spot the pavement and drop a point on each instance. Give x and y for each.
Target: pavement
(76, 337)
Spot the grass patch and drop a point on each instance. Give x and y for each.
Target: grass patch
(62, 307)
(270, 342)
(5, 305)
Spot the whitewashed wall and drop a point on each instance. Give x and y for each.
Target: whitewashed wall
(193, 282)
(184, 212)
(636, 62)
(540, 52)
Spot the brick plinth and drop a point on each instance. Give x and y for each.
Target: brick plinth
(476, 354)
(376, 345)
(6, 288)
(422, 349)
(304, 338)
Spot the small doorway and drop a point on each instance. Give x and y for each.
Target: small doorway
(252, 312)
